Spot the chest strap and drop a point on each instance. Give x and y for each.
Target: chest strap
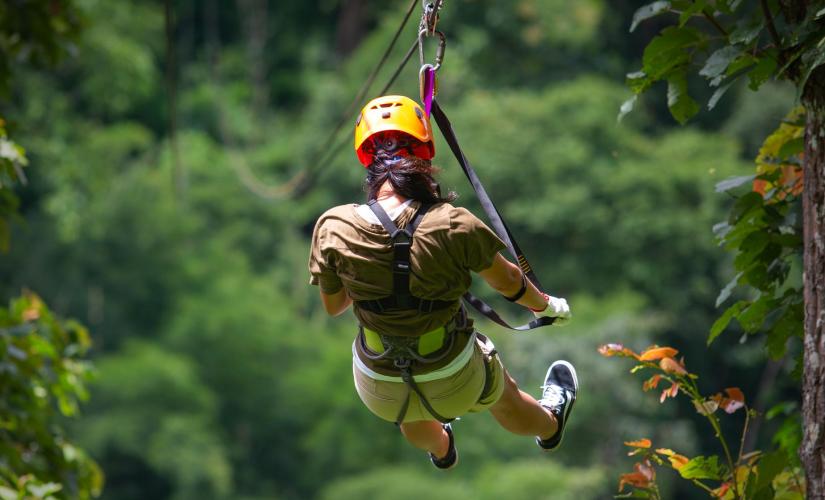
(401, 240)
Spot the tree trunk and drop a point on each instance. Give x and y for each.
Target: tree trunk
(813, 206)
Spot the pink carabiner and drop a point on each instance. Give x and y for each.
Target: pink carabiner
(426, 78)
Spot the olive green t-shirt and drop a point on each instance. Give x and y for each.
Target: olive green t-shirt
(351, 253)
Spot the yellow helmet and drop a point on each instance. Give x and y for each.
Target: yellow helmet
(393, 116)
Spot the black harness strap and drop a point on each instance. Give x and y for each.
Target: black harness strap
(496, 221)
(401, 298)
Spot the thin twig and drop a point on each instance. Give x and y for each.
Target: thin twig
(715, 23)
(766, 11)
(744, 434)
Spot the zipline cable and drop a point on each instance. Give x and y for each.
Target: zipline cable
(342, 142)
(321, 153)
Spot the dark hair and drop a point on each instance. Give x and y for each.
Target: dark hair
(409, 176)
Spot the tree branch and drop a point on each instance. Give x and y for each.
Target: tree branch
(715, 23)
(766, 11)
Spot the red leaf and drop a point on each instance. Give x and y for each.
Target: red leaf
(735, 394)
(633, 479)
(721, 490)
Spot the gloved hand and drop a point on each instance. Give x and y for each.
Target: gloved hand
(556, 308)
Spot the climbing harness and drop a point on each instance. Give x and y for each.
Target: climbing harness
(401, 240)
(406, 352)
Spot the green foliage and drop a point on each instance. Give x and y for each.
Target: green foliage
(764, 231)
(12, 161)
(150, 404)
(42, 376)
(737, 40)
(36, 32)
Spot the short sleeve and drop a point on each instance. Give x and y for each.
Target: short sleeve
(321, 265)
(477, 243)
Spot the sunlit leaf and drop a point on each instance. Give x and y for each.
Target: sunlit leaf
(658, 353)
(670, 365)
(676, 460)
(648, 11)
(640, 443)
(718, 62)
(681, 105)
(702, 468)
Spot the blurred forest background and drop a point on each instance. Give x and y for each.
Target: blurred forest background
(177, 239)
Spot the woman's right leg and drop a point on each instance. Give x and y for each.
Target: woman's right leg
(427, 435)
(520, 413)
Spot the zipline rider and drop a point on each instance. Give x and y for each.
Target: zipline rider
(404, 260)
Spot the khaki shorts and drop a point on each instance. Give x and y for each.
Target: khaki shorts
(451, 397)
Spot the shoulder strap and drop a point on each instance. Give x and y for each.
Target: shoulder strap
(496, 221)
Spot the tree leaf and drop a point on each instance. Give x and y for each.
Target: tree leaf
(668, 51)
(714, 99)
(702, 468)
(791, 148)
(640, 443)
(718, 62)
(734, 182)
(769, 466)
(763, 70)
(648, 11)
(693, 9)
(658, 353)
(681, 105)
(720, 324)
(627, 107)
(725, 293)
(670, 365)
(745, 33)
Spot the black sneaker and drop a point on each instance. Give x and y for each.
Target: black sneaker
(558, 395)
(451, 459)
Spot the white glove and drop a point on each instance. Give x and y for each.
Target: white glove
(556, 308)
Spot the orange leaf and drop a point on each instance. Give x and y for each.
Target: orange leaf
(651, 383)
(678, 461)
(721, 490)
(658, 353)
(641, 443)
(670, 365)
(609, 350)
(670, 392)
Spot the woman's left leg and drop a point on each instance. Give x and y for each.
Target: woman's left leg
(427, 435)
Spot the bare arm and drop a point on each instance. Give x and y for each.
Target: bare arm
(505, 277)
(336, 303)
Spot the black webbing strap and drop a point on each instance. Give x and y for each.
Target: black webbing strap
(401, 297)
(496, 221)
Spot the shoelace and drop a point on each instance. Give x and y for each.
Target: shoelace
(552, 396)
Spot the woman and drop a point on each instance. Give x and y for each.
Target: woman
(403, 261)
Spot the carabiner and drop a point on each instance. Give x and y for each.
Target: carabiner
(427, 86)
(439, 52)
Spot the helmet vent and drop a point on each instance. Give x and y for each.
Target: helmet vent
(385, 115)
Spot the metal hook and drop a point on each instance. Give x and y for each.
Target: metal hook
(440, 50)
